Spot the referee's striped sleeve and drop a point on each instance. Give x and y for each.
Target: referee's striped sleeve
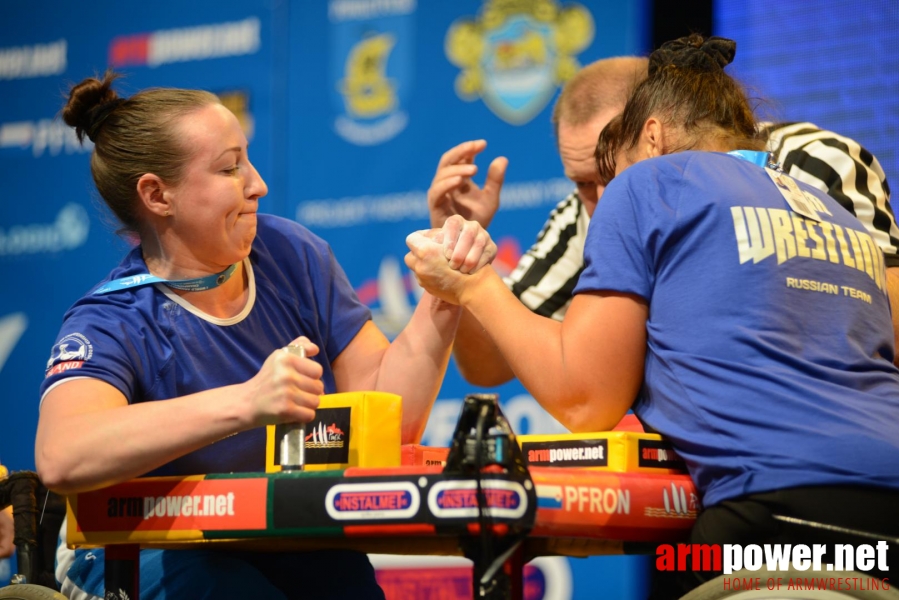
(547, 273)
(846, 171)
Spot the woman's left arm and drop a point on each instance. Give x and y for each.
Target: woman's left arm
(586, 371)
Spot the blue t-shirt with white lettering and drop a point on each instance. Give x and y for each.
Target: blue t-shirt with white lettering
(769, 350)
(152, 345)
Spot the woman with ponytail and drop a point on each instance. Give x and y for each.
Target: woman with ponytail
(173, 364)
(740, 313)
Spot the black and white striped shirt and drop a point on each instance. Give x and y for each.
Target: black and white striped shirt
(547, 273)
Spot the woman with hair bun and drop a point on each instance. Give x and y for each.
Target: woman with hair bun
(173, 364)
(739, 313)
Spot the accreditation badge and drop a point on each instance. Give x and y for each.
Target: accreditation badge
(794, 196)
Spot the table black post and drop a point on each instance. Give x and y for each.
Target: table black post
(122, 576)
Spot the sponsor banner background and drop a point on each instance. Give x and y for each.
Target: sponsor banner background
(358, 177)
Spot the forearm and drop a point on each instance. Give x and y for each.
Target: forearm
(479, 360)
(893, 293)
(530, 344)
(585, 385)
(415, 363)
(89, 450)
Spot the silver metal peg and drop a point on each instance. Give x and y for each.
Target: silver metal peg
(293, 439)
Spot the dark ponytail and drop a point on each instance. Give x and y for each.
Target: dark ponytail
(90, 102)
(688, 88)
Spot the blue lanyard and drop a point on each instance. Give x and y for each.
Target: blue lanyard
(191, 285)
(760, 158)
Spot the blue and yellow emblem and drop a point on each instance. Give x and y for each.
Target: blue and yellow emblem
(516, 53)
(372, 69)
(367, 91)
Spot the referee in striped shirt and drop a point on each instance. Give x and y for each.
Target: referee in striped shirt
(548, 272)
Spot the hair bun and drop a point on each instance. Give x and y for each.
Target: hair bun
(694, 52)
(90, 102)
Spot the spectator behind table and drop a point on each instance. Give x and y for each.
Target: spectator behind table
(548, 272)
(179, 379)
(782, 400)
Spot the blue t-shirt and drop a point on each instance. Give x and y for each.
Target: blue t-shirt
(770, 348)
(152, 345)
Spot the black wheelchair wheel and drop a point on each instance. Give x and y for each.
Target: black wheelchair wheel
(723, 587)
(27, 591)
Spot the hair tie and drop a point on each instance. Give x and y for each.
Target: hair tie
(721, 50)
(98, 114)
(692, 52)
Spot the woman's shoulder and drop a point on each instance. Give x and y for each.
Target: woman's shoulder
(654, 169)
(132, 265)
(678, 162)
(109, 327)
(136, 306)
(654, 175)
(687, 168)
(277, 238)
(274, 230)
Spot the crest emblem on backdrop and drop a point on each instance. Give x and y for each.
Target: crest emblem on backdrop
(516, 54)
(371, 69)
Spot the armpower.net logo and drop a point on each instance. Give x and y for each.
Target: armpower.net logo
(782, 566)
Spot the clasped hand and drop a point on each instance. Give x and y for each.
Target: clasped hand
(287, 387)
(445, 260)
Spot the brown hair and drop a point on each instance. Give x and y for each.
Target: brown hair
(132, 136)
(686, 87)
(601, 85)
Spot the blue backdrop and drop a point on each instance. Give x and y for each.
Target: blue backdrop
(833, 63)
